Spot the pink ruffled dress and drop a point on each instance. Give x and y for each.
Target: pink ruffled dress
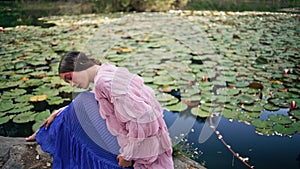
(134, 116)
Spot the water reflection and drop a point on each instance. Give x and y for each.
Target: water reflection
(276, 152)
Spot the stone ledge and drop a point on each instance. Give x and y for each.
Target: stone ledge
(16, 153)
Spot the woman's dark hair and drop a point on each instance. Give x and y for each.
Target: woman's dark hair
(75, 61)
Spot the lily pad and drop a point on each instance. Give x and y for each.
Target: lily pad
(284, 130)
(24, 117)
(6, 105)
(280, 119)
(229, 113)
(271, 107)
(261, 123)
(228, 91)
(295, 113)
(20, 107)
(245, 99)
(38, 98)
(265, 131)
(296, 126)
(177, 107)
(4, 119)
(199, 112)
(56, 100)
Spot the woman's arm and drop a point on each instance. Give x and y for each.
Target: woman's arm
(47, 122)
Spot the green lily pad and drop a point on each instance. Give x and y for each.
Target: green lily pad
(23, 98)
(163, 97)
(163, 80)
(31, 83)
(284, 130)
(282, 103)
(24, 117)
(265, 131)
(6, 105)
(245, 99)
(271, 107)
(229, 113)
(296, 126)
(254, 114)
(261, 123)
(65, 89)
(56, 100)
(239, 84)
(177, 107)
(20, 107)
(199, 112)
(295, 113)
(280, 119)
(4, 119)
(228, 91)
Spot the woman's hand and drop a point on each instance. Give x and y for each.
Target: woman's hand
(123, 162)
(50, 119)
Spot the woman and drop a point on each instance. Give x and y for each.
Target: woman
(129, 107)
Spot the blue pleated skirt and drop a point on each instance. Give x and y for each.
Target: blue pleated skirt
(78, 137)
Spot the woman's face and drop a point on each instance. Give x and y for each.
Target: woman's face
(76, 79)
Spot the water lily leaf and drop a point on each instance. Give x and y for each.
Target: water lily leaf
(13, 93)
(6, 105)
(148, 79)
(20, 107)
(4, 119)
(223, 99)
(56, 100)
(189, 91)
(295, 113)
(254, 114)
(177, 107)
(63, 89)
(296, 126)
(41, 116)
(271, 107)
(245, 99)
(229, 113)
(31, 83)
(239, 84)
(163, 97)
(24, 117)
(10, 84)
(261, 123)
(265, 131)
(23, 98)
(228, 91)
(282, 103)
(257, 107)
(245, 117)
(45, 90)
(199, 112)
(163, 80)
(280, 119)
(38, 98)
(284, 130)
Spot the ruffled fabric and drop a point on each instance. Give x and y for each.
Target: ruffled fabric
(71, 146)
(134, 115)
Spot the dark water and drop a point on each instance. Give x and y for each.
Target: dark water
(265, 152)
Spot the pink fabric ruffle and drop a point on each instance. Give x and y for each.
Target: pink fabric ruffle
(133, 114)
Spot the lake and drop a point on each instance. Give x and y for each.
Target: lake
(274, 152)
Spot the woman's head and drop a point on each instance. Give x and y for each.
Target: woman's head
(75, 61)
(72, 68)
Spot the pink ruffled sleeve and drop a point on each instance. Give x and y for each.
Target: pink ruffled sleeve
(143, 134)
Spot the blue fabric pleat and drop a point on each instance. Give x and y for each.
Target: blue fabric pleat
(72, 146)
